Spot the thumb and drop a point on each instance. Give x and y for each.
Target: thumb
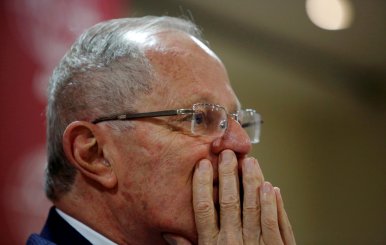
(176, 240)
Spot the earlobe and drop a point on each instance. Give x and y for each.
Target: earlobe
(83, 149)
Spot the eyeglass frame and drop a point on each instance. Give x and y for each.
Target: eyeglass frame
(174, 112)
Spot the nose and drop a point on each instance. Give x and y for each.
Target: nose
(235, 138)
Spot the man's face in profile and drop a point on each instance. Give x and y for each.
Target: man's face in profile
(155, 159)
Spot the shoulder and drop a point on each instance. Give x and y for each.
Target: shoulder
(57, 231)
(36, 239)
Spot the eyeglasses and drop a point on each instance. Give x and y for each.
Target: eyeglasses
(206, 119)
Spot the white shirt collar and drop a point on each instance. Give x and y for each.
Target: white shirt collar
(92, 236)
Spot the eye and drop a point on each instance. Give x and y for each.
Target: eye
(185, 118)
(198, 118)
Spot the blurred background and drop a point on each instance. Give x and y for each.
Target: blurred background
(314, 69)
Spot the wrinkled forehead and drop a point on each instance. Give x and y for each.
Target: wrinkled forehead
(189, 72)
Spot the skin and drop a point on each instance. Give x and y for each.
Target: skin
(156, 183)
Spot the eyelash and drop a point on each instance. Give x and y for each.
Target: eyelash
(185, 118)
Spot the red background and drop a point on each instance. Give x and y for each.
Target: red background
(34, 36)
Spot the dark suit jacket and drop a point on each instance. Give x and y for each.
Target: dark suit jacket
(57, 231)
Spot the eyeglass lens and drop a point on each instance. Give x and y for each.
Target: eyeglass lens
(209, 120)
(212, 120)
(250, 121)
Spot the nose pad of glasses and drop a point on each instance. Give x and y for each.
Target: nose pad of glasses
(224, 124)
(234, 138)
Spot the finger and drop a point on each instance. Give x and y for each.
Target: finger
(229, 195)
(204, 211)
(269, 218)
(284, 223)
(252, 179)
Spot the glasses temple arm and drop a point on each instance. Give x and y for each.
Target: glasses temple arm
(244, 125)
(143, 115)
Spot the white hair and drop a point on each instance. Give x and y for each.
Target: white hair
(104, 72)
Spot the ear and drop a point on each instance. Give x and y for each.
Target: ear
(82, 149)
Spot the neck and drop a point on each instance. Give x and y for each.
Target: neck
(103, 212)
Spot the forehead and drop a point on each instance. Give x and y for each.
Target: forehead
(189, 73)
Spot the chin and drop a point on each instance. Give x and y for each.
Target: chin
(185, 224)
(176, 218)
(183, 228)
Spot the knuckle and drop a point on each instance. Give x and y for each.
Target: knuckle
(251, 209)
(227, 172)
(228, 169)
(270, 223)
(203, 208)
(250, 178)
(207, 240)
(203, 178)
(230, 202)
(267, 201)
(230, 237)
(251, 199)
(251, 236)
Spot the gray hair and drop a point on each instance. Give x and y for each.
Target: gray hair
(104, 72)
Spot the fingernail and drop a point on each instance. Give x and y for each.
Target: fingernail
(204, 165)
(267, 187)
(277, 191)
(226, 156)
(249, 164)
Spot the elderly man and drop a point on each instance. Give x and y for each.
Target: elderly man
(147, 144)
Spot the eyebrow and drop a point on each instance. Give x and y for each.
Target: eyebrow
(201, 99)
(235, 106)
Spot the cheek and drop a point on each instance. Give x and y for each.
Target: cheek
(169, 186)
(175, 162)
(169, 202)
(156, 178)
